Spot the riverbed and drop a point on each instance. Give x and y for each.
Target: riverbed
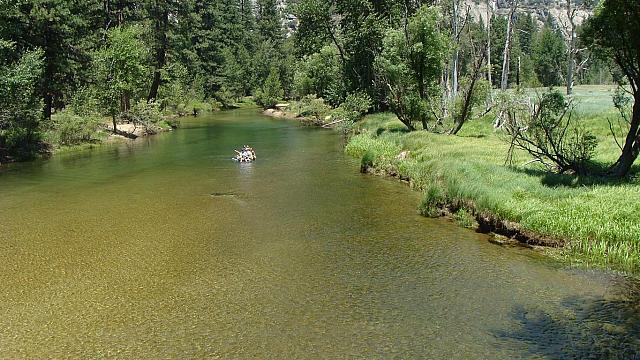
(165, 248)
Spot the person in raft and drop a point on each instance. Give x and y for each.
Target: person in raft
(247, 154)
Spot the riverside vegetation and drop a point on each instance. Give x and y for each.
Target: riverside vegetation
(594, 218)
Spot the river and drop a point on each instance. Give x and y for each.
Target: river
(165, 248)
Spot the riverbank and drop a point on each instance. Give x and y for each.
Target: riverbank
(594, 222)
(290, 115)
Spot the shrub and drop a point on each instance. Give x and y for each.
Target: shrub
(353, 108)
(547, 131)
(20, 105)
(312, 106)
(225, 98)
(321, 74)
(145, 114)
(72, 129)
(271, 91)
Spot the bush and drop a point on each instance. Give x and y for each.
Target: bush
(312, 106)
(271, 91)
(353, 108)
(147, 115)
(20, 105)
(547, 131)
(195, 107)
(321, 74)
(182, 93)
(72, 129)
(225, 98)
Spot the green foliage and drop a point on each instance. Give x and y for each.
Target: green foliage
(315, 18)
(321, 74)
(20, 105)
(312, 106)
(183, 93)
(549, 57)
(65, 31)
(613, 34)
(268, 20)
(465, 218)
(353, 108)
(433, 201)
(271, 91)
(469, 98)
(73, 129)
(598, 221)
(84, 102)
(120, 69)
(236, 72)
(411, 65)
(147, 115)
(226, 98)
(548, 132)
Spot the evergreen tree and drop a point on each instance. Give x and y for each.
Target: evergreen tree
(548, 56)
(20, 105)
(58, 28)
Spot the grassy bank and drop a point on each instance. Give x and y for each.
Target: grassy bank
(596, 222)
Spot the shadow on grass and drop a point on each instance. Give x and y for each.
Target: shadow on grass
(551, 179)
(380, 131)
(586, 328)
(476, 136)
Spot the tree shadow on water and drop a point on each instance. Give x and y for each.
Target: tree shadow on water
(583, 328)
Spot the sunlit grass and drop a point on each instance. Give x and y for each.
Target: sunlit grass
(599, 220)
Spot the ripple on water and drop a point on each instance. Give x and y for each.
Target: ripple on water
(123, 252)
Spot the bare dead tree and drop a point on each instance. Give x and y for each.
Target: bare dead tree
(546, 130)
(469, 91)
(490, 12)
(504, 84)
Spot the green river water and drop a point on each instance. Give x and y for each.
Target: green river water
(122, 251)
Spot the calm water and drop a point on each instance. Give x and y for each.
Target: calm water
(122, 251)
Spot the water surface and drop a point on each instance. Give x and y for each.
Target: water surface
(123, 251)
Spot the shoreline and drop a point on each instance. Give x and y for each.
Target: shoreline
(576, 220)
(283, 114)
(503, 232)
(102, 136)
(513, 233)
(583, 221)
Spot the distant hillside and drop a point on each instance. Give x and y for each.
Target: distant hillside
(540, 9)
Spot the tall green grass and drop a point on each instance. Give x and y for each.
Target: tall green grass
(599, 221)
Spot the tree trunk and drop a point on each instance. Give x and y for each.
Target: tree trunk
(115, 126)
(504, 84)
(456, 52)
(489, 17)
(467, 107)
(161, 52)
(518, 72)
(631, 147)
(571, 48)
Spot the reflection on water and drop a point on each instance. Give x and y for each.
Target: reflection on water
(164, 247)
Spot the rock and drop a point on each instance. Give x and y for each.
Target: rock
(403, 155)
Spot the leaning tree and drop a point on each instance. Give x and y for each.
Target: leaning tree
(614, 33)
